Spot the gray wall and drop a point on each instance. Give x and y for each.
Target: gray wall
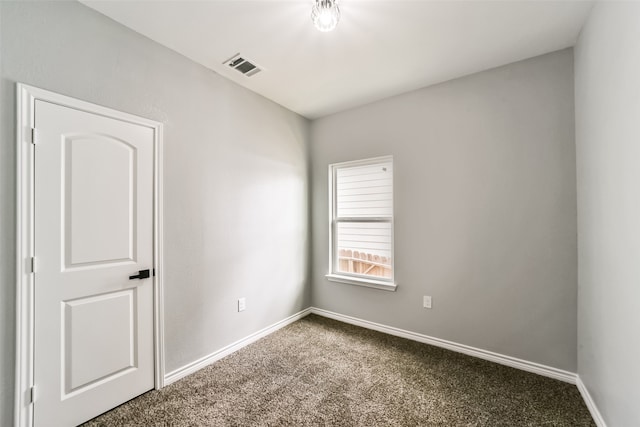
(235, 174)
(607, 59)
(485, 209)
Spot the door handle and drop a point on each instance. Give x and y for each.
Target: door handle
(142, 274)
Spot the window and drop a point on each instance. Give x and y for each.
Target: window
(361, 209)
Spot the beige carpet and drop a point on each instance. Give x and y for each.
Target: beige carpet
(319, 372)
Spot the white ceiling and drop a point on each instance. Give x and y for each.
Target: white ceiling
(379, 49)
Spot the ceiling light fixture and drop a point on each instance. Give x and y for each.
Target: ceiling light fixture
(325, 14)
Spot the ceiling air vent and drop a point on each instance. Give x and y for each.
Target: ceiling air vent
(242, 65)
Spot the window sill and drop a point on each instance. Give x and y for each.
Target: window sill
(376, 284)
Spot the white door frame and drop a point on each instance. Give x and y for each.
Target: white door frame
(25, 394)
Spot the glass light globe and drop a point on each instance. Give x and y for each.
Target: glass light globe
(325, 14)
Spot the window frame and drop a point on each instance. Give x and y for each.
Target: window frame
(334, 275)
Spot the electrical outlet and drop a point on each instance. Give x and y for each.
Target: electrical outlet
(426, 301)
(242, 304)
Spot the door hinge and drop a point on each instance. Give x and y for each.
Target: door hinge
(33, 264)
(32, 394)
(33, 136)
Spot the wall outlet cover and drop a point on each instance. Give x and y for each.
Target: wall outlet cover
(426, 301)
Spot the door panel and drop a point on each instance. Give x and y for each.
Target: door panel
(99, 190)
(93, 229)
(98, 338)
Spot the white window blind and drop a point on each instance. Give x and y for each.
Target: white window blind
(362, 219)
(365, 191)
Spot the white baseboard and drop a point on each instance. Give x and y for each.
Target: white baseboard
(513, 362)
(192, 367)
(591, 405)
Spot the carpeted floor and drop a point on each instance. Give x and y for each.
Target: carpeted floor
(319, 372)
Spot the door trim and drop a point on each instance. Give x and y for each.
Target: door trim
(25, 214)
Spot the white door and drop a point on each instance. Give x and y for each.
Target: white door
(93, 229)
